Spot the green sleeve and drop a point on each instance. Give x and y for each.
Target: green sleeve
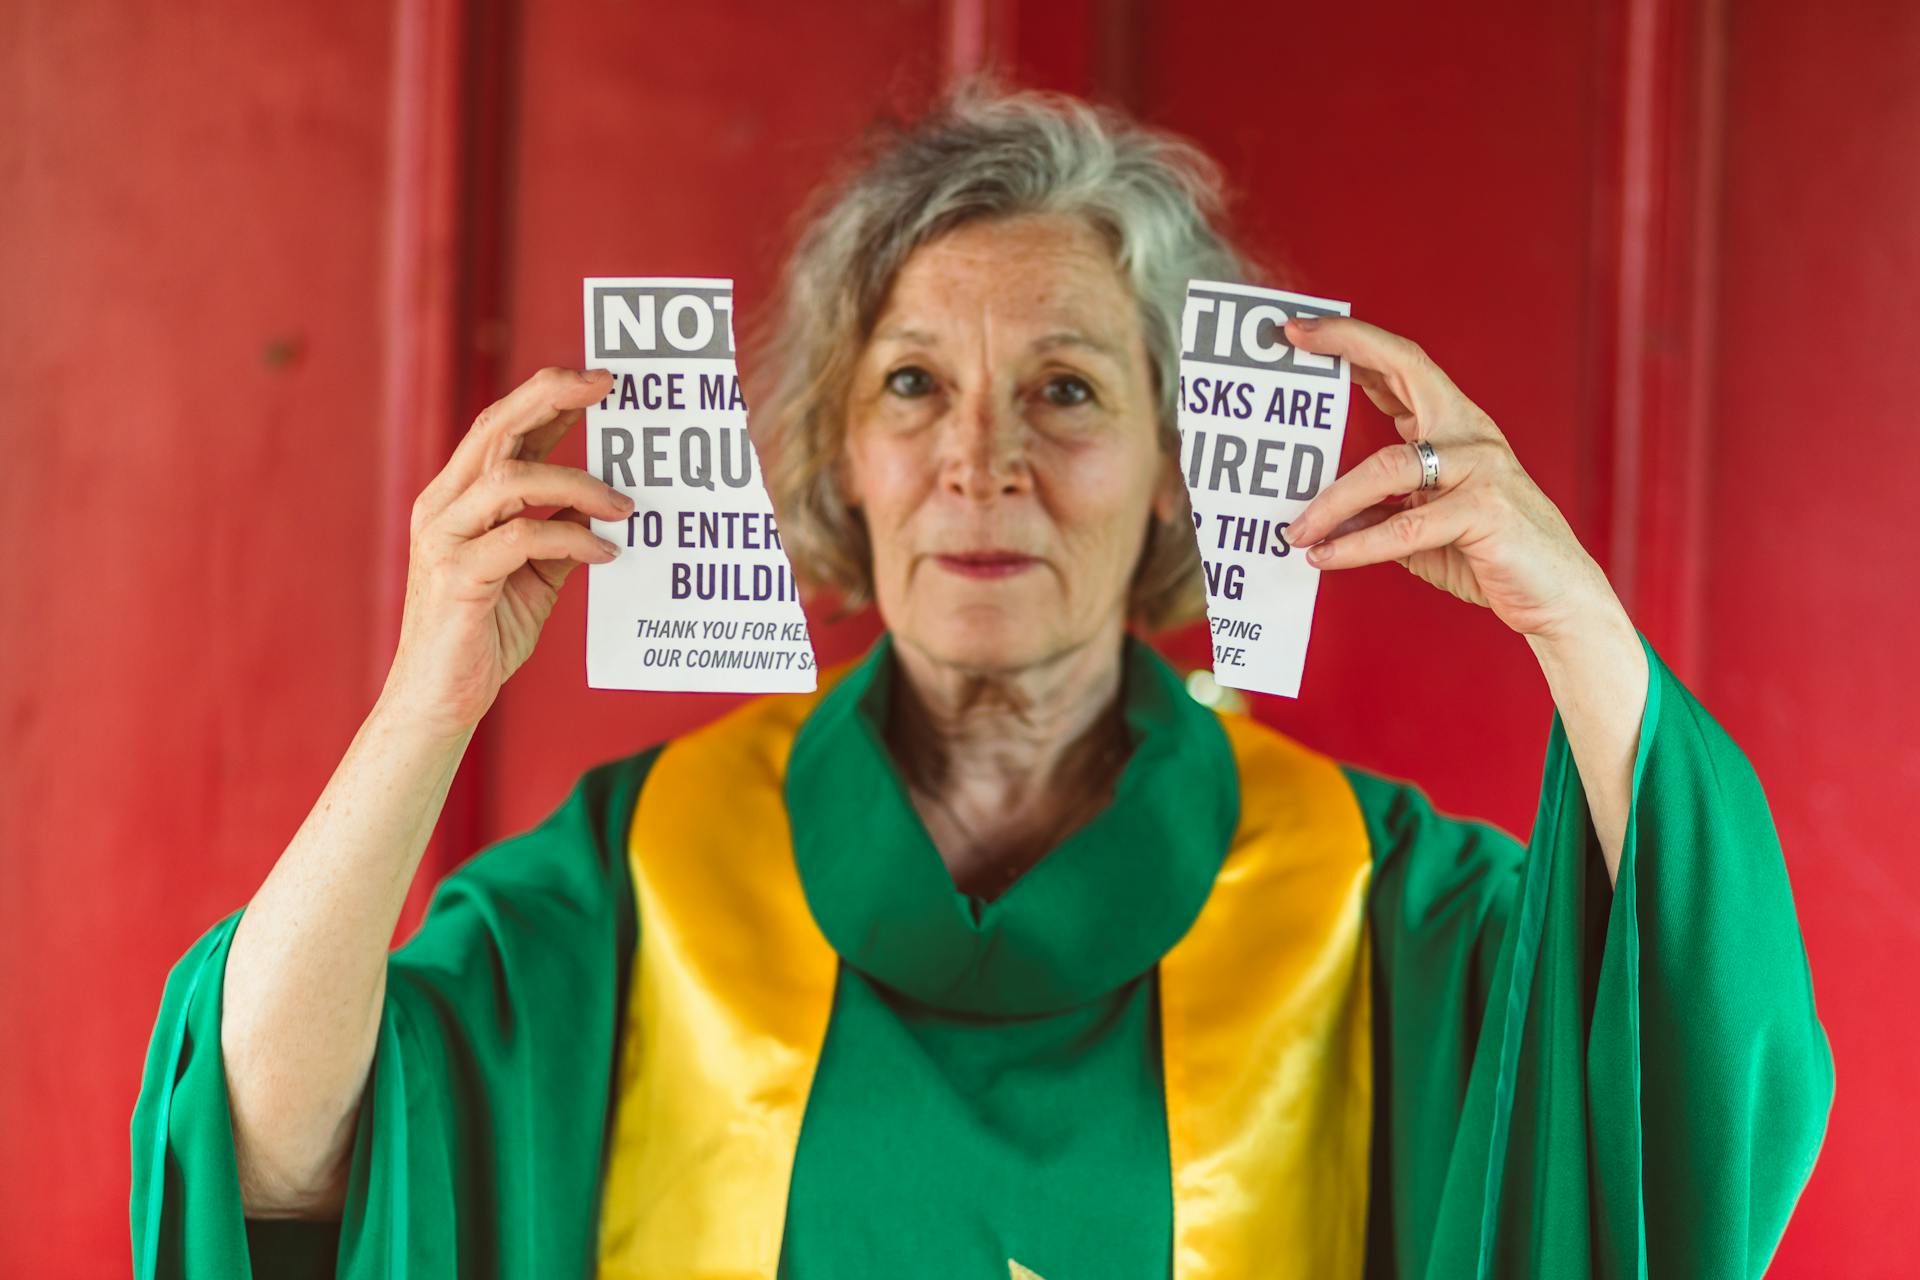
(479, 1140)
(1443, 888)
(1577, 1079)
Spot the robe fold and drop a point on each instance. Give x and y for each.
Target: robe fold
(1462, 1056)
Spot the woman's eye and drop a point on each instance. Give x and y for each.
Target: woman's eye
(909, 382)
(1067, 391)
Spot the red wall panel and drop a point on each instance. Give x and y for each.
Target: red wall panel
(189, 365)
(1810, 601)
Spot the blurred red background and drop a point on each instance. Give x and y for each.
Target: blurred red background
(262, 263)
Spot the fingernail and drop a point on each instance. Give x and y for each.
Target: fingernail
(1320, 552)
(1308, 323)
(590, 374)
(613, 549)
(622, 501)
(1291, 535)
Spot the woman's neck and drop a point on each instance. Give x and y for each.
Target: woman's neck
(1002, 766)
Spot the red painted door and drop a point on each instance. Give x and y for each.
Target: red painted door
(1807, 596)
(190, 253)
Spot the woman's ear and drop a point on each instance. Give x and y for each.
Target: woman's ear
(1168, 492)
(843, 478)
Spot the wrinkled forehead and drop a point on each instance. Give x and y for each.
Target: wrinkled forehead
(1017, 278)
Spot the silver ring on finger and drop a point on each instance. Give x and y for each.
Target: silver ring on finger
(1429, 464)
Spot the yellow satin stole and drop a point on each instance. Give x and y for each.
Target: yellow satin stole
(1266, 1020)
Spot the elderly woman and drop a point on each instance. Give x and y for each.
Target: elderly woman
(1000, 955)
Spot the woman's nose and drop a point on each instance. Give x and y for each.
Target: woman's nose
(986, 457)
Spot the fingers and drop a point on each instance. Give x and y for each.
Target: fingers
(1395, 373)
(547, 397)
(507, 488)
(1432, 524)
(1375, 385)
(555, 571)
(1392, 470)
(525, 423)
(1365, 519)
(540, 441)
(496, 554)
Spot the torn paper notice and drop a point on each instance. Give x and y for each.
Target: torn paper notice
(1260, 431)
(701, 596)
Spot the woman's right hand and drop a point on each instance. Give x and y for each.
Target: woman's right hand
(482, 577)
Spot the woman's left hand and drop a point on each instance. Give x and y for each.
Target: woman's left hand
(1485, 532)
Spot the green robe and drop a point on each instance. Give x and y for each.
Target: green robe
(1569, 1080)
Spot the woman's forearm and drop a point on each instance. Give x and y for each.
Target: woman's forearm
(307, 969)
(306, 974)
(1597, 672)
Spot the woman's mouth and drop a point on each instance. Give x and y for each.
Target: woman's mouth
(986, 564)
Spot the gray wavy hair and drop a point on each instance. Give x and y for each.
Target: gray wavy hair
(980, 154)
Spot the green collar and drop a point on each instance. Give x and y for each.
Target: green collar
(1097, 911)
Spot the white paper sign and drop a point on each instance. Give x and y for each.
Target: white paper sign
(1260, 430)
(701, 596)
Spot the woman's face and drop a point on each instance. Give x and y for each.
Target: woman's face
(1002, 442)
